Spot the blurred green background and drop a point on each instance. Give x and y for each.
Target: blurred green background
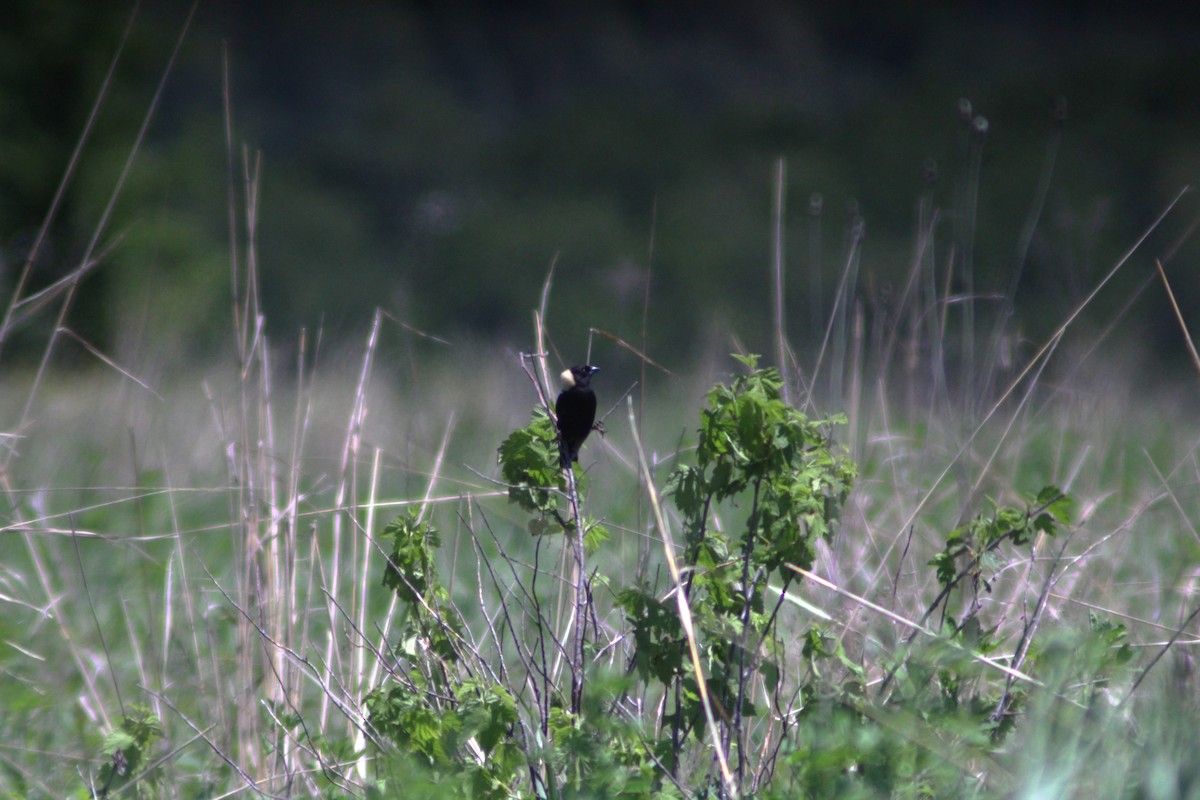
(433, 159)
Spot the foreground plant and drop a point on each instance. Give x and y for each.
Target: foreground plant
(781, 483)
(792, 707)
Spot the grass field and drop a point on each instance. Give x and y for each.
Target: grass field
(202, 543)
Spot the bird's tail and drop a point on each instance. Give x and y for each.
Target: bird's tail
(567, 455)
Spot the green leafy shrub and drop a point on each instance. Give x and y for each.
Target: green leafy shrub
(808, 714)
(761, 458)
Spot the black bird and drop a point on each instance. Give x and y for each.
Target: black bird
(576, 410)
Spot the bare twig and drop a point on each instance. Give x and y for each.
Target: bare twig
(1187, 337)
(579, 580)
(645, 359)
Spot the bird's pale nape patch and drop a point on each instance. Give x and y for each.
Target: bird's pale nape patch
(568, 380)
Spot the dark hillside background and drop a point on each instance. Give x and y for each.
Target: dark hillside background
(433, 159)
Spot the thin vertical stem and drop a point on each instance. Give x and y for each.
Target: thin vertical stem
(781, 358)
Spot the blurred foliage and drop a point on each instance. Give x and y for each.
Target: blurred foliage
(128, 751)
(434, 160)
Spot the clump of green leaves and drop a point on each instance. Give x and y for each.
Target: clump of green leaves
(529, 462)
(601, 754)
(435, 712)
(128, 747)
(969, 548)
(944, 675)
(973, 553)
(464, 739)
(411, 572)
(769, 458)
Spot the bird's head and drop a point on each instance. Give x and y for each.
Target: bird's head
(578, 376)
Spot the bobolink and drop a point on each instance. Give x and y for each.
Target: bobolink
(576, 410)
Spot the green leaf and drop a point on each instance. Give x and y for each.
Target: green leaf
(750, 360)
(410, 570)
(594, 536)
(944, 563)
(1059, 505)
(529, 463)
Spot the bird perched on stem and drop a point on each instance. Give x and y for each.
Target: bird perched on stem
(576, 410)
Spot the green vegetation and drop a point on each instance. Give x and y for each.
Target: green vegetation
(1001, 658)
(932, 553)
(794, 715)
